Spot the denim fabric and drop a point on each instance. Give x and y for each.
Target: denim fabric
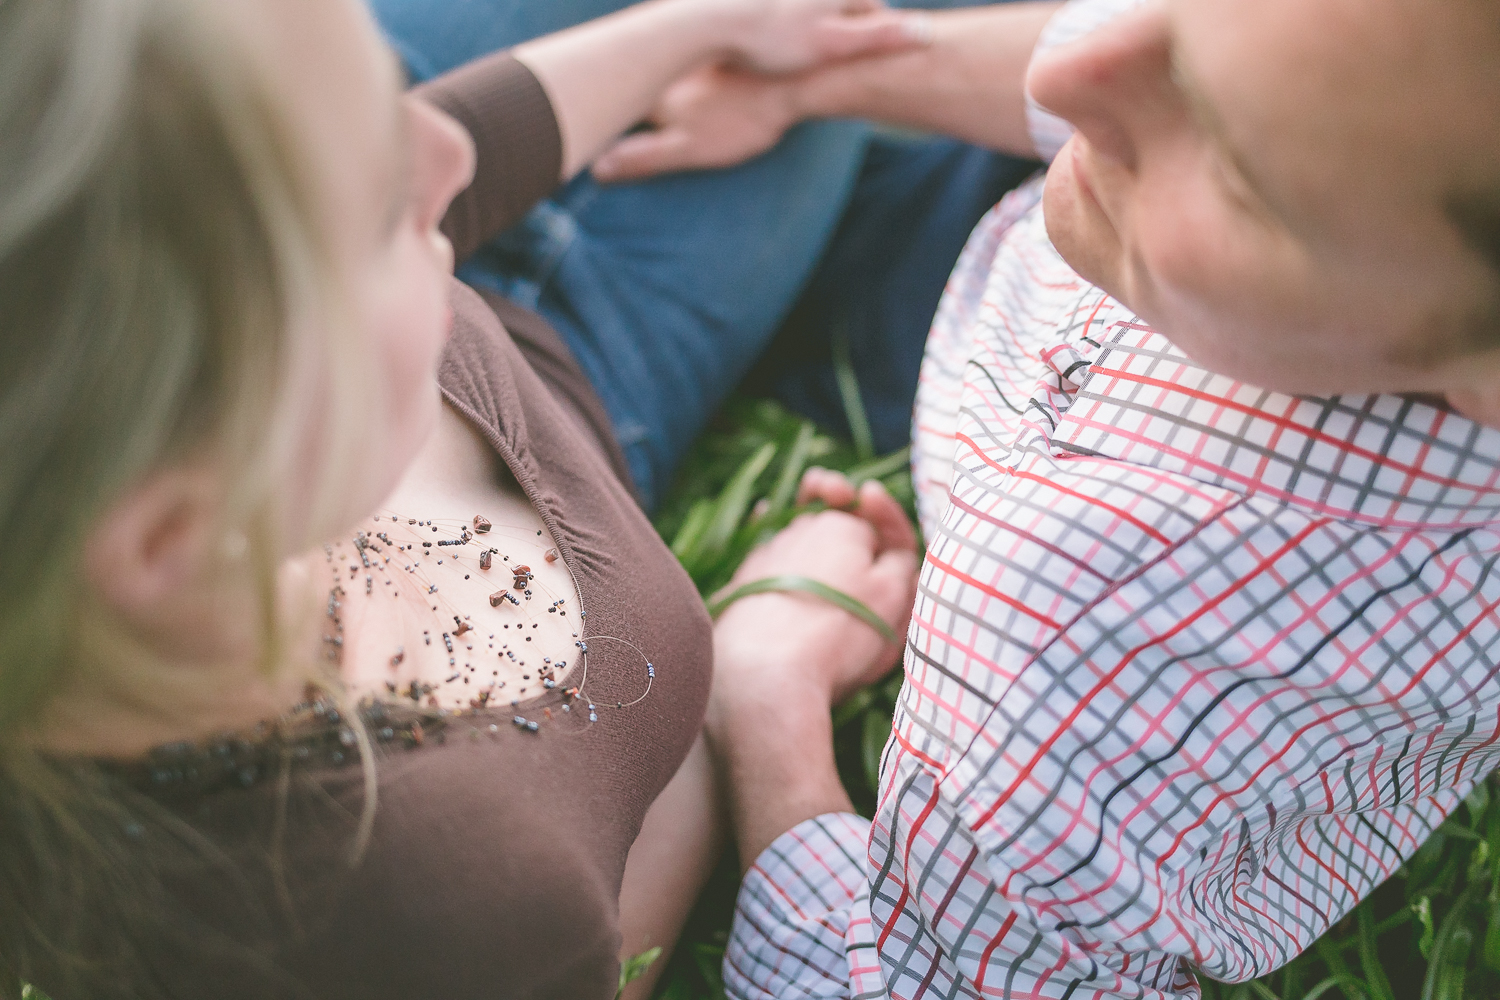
(668, 291)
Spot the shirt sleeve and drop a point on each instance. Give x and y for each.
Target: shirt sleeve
(795, 912)
(516, 137)
(1069, 24)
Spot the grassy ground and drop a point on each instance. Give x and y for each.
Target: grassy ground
(1430, 933)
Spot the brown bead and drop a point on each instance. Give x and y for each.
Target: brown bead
(481, 524)
(485, 559)
(462, 628)
(497, 598)
(417, 736)
(550, 555)
(523, 568)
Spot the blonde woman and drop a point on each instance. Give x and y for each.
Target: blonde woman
(336, 658)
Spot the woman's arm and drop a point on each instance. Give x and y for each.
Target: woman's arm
(969, 82)
(604, 76)
(540, 112)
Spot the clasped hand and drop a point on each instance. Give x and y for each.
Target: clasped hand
(725, 114)
(776, 646)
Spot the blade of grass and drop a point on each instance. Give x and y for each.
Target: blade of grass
(854, 405)
(854, 705)
(1450, 948)
(1343, 982)
(730, 509)
(807, 585)
(1491, 952)
(1369, 957)
(1454, 969)
(1423, 909)
(710, 960)
(1291, 980)
(785, 490)
(1328, 951)
(685, 542)
(632, 969)
(880, 467)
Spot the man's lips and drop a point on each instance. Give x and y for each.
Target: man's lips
(1080, 173)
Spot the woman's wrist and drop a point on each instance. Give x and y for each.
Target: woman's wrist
(725, 28)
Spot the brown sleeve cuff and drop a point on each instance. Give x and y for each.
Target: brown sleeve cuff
(516, 135)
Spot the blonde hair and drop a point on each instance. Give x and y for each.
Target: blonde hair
(157, 247)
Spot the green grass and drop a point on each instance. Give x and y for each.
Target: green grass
(1432, 932)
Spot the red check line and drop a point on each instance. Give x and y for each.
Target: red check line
(1011, 602)
(1376, 457)
(1019, 473)
(1072, 717)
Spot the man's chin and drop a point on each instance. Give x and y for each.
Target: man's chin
(1074, 231)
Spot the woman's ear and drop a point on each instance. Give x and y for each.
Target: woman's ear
(154, 542)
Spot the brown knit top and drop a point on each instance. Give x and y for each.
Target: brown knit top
(497, 854)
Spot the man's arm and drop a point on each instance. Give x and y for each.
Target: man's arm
(782, 660)
(969, 82)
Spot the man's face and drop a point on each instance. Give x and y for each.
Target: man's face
(1267, 183)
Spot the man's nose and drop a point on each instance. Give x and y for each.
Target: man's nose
(1110, 85)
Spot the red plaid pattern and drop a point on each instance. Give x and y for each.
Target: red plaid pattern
(1193, 666)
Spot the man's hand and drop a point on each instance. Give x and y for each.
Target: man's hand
(782, 660)
(715, 117)
(780, 644)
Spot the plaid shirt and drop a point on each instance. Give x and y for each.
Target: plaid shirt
(1193, 666)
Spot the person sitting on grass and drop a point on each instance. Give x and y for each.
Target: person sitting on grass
(1208, 448)
(337, 658)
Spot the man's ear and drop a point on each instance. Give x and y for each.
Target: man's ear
(1480, 402)
(154, 541)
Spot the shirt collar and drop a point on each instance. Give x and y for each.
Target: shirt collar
(1396, 461)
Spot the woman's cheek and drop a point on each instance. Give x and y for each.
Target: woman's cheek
(412, 321)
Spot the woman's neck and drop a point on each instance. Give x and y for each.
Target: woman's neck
(204, 676)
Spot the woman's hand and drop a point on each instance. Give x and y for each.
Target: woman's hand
(790, 645)
(789, 36)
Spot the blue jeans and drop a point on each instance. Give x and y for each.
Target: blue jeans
(669, 291)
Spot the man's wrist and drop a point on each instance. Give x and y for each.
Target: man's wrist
(818, 93)
(775, 751)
